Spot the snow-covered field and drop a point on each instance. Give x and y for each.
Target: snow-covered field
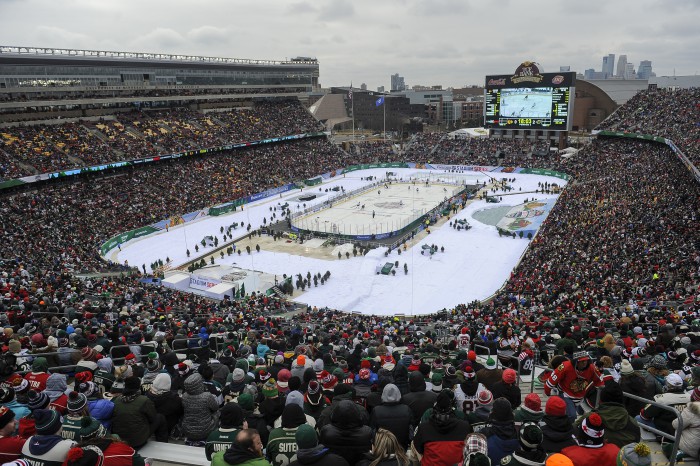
(474, 265)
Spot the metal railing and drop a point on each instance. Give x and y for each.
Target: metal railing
(673, 438)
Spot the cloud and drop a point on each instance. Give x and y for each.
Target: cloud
(159, 39)
(336, 10)
(209, 35)
(52, 36)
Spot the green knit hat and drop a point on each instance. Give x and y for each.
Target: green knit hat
(305, 437)
(245, 401)
(91, 428)
(269, 390)
(490, 363)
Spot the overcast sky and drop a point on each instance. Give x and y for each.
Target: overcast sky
(447, 42)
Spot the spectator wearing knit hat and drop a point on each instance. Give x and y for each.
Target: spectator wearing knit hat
(635, 454)
(592, 449)
(440, 439)
(36, 401)
(272, 405)
(490, 375)
(557, 428)
(530, 410)
(10, 444)
(507, 388)
(77, 408)
(620, 428)
(632, 382)
(281, 444)
(98, 407)
(674, 396)
(314, 400)
(231, 421)
(393, 415)
(98, 447)
(88, 360)
(47, 447)
(342, 392)
(135, 417)
(500, 432)
(530, 452)
(166, 402)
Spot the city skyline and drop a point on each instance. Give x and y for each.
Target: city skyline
(361, 41)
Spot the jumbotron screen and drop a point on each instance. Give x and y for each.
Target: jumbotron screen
(531, 101)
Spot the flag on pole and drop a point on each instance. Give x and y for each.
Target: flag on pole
(350, 92)
(379, 101)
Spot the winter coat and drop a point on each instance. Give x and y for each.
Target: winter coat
(582, 456)
(11, 448)
(557, 433)
(200, 409)
(133, 418)
(326, 415)
(169, 404)
(46, 450)
(502, 440)
(346, 435)
(441, 440)
(620, 428)
(636, 385)
(121, 454)
(393, 461)
(489, 377)
(419, 400)
(509, 392)
(690, 437)
(18, 408)
(393, 415)
(318, 456)
(102, 410)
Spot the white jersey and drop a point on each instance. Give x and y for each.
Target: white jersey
(463, 341)
(467, 403)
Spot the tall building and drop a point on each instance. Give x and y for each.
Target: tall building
(629, 71)
(644, 71)
(609, 66)
(397, 82)
(564, 69)
(363, 86)
(380, 89)
(621, 66)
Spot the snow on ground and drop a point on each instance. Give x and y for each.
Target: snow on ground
(475, 263)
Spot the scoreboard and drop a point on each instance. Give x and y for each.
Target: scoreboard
(529, 100)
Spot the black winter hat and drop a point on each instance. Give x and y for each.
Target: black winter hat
(501, 411)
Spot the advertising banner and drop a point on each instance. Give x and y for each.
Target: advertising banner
(203, 283)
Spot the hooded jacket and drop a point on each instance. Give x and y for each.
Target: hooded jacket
(46, 450)
(401, 379)
(557, 433)
(690, 437)
(346, 435)
(393, 415)
(132, 419)
(419, 400)
(200, 409)
(327, 414)
(502, 439)
(441, 439)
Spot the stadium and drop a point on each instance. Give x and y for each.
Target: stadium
(152, 200)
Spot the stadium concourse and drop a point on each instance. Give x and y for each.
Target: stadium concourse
(606, 297)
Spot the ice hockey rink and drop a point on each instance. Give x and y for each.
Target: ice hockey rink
(376, 210)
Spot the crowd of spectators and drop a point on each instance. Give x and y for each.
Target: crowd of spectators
(322, 386)
(138, 134)
(668, 113)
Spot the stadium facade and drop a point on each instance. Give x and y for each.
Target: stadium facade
(41, 79)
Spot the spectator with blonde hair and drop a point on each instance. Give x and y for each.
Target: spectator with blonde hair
(386, 451)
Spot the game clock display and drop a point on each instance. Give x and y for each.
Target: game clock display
(535, 108)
